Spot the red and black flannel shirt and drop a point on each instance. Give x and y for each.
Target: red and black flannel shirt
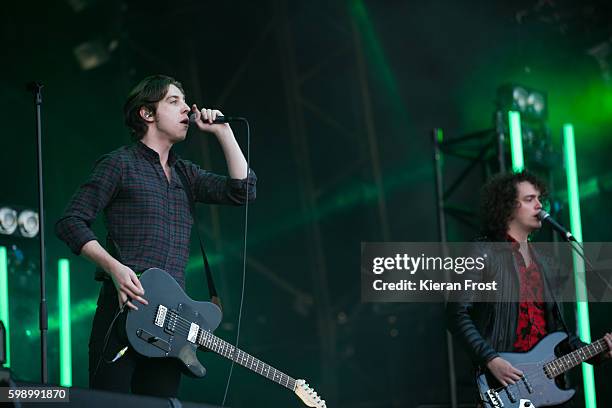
(531, 325)
(148, 218)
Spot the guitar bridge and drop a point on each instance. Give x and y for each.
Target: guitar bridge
(494, 400)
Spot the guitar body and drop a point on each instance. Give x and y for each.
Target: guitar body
(535, 386)
(169, 339)
(173, 325)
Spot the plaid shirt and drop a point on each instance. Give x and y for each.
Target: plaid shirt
(147, 218)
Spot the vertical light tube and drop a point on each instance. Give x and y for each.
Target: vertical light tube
(64, 323)
(4, 303)
(516, 141)
(582, 305)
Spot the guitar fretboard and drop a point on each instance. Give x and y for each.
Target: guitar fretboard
(223, 348)
(570, 360)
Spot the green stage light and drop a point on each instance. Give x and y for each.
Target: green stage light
(516, 141)
(65, 332)
(4, 303)
(582, 305)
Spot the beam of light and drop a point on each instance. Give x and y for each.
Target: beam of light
(65, 332)
(582, 305)
(516, 141)
(4, 303)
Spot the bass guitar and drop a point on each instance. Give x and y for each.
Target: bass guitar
(540, 367)
(173, 325)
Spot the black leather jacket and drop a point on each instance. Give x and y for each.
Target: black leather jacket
(486, 328)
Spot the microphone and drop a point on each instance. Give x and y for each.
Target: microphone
(218, 119)
(544, 216)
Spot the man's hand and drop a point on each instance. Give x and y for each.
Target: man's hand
(608, 339)
(504, 371)
(236, 163)
(206, 117)
(128, 285)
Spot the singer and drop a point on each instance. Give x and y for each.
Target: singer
(148, 221)
(510, 204)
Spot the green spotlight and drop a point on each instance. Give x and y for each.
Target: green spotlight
(4, 304)
(64, 323)
(516, 141)
(582, 305)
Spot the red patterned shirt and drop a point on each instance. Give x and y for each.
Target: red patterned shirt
(531, 327)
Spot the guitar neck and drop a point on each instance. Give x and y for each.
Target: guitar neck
(210, 341)
(571, 360)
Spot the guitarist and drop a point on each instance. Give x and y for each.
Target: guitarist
(509, 206)
(148, 220)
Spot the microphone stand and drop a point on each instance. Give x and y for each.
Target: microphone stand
(36, 89)
(579, 249)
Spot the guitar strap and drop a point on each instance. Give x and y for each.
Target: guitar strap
(212, 290)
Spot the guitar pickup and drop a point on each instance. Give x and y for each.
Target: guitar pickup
(154, 340)
(511, 395)
(160, 316)
(193, 332)
(527, 385)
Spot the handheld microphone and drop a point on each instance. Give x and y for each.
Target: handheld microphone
(544, 216)
(218, 119)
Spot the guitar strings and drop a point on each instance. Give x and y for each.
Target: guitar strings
(183, 327)
(533, 372)
(527, 374)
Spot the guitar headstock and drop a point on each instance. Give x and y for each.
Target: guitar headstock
(308, 395)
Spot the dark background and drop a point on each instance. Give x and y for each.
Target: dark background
(341, 97)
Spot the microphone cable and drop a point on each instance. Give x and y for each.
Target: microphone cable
(106, 338)
(244, 252)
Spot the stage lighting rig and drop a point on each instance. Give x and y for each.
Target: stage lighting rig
(21, 222)
(530, 103)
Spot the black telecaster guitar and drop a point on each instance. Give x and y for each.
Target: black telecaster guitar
(173, 325)
(540, 367)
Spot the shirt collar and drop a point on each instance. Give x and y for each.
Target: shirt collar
(513, 242)
(153, 156)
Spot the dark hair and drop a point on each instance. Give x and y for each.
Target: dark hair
(147, 93)
(498, 201)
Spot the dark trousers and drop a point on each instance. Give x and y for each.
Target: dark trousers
(159, 377)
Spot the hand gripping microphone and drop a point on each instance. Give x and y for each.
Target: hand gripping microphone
(218, 119)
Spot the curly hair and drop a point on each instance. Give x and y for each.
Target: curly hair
(146, 94)
(499, 200)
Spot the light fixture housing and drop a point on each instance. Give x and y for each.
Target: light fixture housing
(531, 103)
(8, 220)
(28, 223)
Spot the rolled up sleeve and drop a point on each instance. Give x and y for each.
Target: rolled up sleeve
(211, 188)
